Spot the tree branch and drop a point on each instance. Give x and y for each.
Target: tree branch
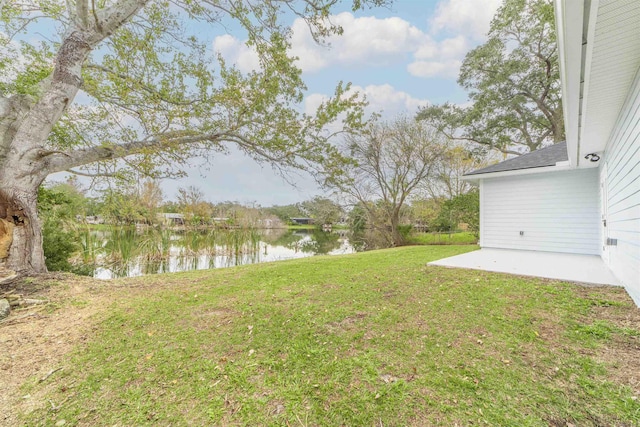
(82, 14)
(92, 175)
(141, 85)
(478, 141)
(61, 162)
(111, 18)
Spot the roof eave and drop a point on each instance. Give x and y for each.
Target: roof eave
(599, 72)
(569, 26)
(559, 167)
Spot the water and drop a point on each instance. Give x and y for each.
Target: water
(127, 252)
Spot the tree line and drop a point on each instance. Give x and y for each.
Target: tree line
(67, 202)
(68, 212)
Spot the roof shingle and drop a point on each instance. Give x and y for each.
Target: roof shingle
(543, 157)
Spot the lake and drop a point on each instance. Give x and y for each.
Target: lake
(130, 252)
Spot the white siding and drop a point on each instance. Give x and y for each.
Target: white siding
(556, 211)
(622, 157)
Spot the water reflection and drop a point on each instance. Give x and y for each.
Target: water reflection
(127, 252)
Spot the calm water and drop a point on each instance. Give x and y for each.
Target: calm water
(127, 252)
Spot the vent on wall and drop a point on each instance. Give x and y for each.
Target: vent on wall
(612, 242)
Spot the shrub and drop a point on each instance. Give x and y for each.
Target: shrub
(56, 207)
(464, 208)
(58, 246)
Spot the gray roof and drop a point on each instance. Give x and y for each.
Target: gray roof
(547, 156)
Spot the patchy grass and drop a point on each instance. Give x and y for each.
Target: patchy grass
(375, 338)
(461, 238)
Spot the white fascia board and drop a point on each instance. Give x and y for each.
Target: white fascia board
(518, 172)
(587, 52)
(569, 27)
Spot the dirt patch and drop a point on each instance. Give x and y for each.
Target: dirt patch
(620, 352)
(205, 318)
(346, 324)
(35, 340)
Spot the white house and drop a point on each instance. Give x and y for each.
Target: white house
(582, 196)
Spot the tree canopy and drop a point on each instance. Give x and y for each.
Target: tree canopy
(513, 81)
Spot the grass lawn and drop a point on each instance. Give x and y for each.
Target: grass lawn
(370, 339)
(461, 238)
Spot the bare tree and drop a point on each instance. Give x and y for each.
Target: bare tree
(150, 196)
(446, 178)
(390, 162)
(193, 204)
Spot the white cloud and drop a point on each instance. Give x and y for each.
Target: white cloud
(237, 52)
(373, 42)
(381, 98)
(455, 47)
(15, 60)
(440, 60)
(470, 18)
(385, 98)
(434, 68)
(449, 48)
(313, 101)
(366, 41)
(369, 42)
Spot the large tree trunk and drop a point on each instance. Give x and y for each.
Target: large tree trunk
(18, 210)
(26, 123)
(20, 176)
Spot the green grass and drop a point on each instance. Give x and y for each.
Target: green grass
(375, 338)
(460, 238)
(301, 227)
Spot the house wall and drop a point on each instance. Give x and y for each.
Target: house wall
(556, 211)
(622, 157)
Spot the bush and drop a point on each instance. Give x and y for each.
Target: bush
(58, 246)
(464, 208)
(56, 206)
(405, 232)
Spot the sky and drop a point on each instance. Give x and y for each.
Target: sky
(401, 57)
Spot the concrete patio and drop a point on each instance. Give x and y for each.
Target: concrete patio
(589, 269)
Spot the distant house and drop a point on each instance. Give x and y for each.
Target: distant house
(90, 219)
(168, 218)
(302, 221)
(581, 196)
